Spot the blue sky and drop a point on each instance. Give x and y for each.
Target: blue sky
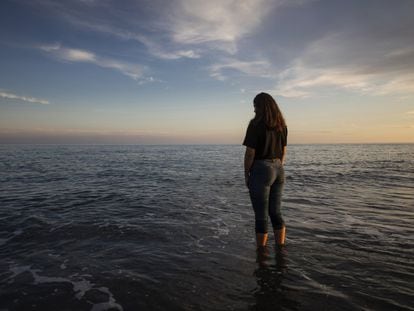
(182, 71)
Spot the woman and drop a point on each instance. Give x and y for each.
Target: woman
(265, 142)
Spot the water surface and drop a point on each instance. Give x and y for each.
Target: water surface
(171, 228)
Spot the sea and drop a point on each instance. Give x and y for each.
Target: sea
(171, 227)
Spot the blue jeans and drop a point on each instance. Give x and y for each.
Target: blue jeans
(266, 183)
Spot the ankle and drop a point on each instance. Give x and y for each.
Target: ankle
(280, 236)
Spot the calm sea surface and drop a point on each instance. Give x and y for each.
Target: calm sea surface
(171, 228)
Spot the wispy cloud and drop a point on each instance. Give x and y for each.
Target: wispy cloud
(157, 49)
(174, 29)
(258, 68)
(220, 22)
(28, 99)
(133, 71)
(165, 53)
(369, 55)
(302, 81)
(333, 62)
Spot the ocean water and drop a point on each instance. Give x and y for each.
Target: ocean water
(171, 228)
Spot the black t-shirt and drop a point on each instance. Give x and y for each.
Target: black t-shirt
(268, 144)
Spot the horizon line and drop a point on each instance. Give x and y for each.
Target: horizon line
(202, 144)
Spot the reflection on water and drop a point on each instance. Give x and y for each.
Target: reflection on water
(271, 294)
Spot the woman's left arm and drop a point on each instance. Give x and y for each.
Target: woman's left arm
(283, 155)
(248, 162)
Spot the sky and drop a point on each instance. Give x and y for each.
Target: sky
(186, 71)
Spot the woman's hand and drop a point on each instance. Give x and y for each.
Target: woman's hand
(283, 156)
(246, 179)
(248, 162)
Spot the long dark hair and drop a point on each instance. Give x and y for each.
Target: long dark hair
(268, 111)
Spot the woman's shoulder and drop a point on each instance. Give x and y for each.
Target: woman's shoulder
(252, 123)
(256, 127)
(256, 123)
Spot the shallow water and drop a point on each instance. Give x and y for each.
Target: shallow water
(171, 228)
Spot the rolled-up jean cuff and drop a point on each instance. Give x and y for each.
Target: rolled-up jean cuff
(261, 226)
(278, 226)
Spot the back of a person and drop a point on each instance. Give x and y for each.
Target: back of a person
(265, 141)
(270, 141)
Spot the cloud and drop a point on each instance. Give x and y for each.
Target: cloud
(73, 55)
(133, 71)
(258, 68)
(221, 22)
(170, 30)
(161, 52)
(121, 22)
(8, 95)
(149, 80)
(303, 81)
(157, 49)
(335, 45)
(344, 62)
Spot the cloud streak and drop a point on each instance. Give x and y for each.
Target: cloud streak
(332, 61)
(258, 68)
(161, 52)
(133, 71)
(28, 99)
(156, 49)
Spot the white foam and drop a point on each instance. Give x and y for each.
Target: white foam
(38, 279)
(106, 305)
(63, 266)
(80, 287)
(223, 231)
